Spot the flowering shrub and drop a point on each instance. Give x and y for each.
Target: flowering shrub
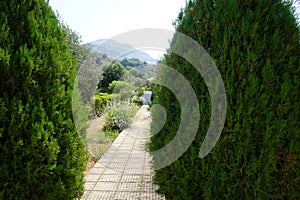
(120, 116)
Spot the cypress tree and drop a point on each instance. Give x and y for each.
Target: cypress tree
(256, 46)
(41, 154)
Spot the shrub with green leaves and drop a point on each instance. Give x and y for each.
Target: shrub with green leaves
(102, 100)
(41, 153)
(256, 46)
(120, 116)
(111, 72)
(123, 89)
(137, 101)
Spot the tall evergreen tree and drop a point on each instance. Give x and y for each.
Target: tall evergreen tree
(41, 154)
(256, 46)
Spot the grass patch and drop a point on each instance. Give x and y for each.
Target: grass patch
(99, 140)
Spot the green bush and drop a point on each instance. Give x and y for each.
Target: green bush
(41, 154)
(255, 44)
(110, 132)
(112, 72)
(102, 100)
(120, 116)
(138, 101)
(122, 89)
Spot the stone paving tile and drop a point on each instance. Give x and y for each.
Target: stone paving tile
(127, 195)
(150, 195)
(111, 177)
(129, 187)
(86, 194)
(99, 195)
(119, 156)
(148, 171)
(99, 165)
(111, 171)
(135, 165)
(106, 186)
(136, 171)
(89, 185)
(147, 187)
(130, 178)
(124, 171)
(96, 170)
(114, 165)
(92, 177)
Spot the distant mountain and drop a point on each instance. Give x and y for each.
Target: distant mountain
(117, 50)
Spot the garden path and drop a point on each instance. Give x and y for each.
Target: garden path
(124, 171)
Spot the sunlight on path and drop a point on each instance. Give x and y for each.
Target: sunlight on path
(124, 171)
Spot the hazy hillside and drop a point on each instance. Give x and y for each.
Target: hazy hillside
(117, 50)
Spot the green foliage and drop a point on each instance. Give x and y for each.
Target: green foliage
(89, 64)
(80, 113)
(122, 89)
(255, 45)
(102, 100)
(89, 74)
(120, 116)
(136, 73)
(132, 62)
(114, 71)
(80, 52)
(118, 86)
(99, 140)
(140, 91)
(41, 154)
(138, 101)
(111, 133)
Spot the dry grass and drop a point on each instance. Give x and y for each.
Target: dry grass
(97, 141)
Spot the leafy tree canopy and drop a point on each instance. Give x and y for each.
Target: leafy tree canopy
(112, 72)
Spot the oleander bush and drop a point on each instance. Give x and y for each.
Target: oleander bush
(256, 46)
(41, 153)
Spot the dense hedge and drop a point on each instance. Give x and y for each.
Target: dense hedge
(41, 154)
(255, 45)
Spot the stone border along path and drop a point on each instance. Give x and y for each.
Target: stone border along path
(124, 171)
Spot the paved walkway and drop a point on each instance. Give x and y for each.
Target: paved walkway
(124, 171)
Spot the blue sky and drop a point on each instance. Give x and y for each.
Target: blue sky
(103, 19)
